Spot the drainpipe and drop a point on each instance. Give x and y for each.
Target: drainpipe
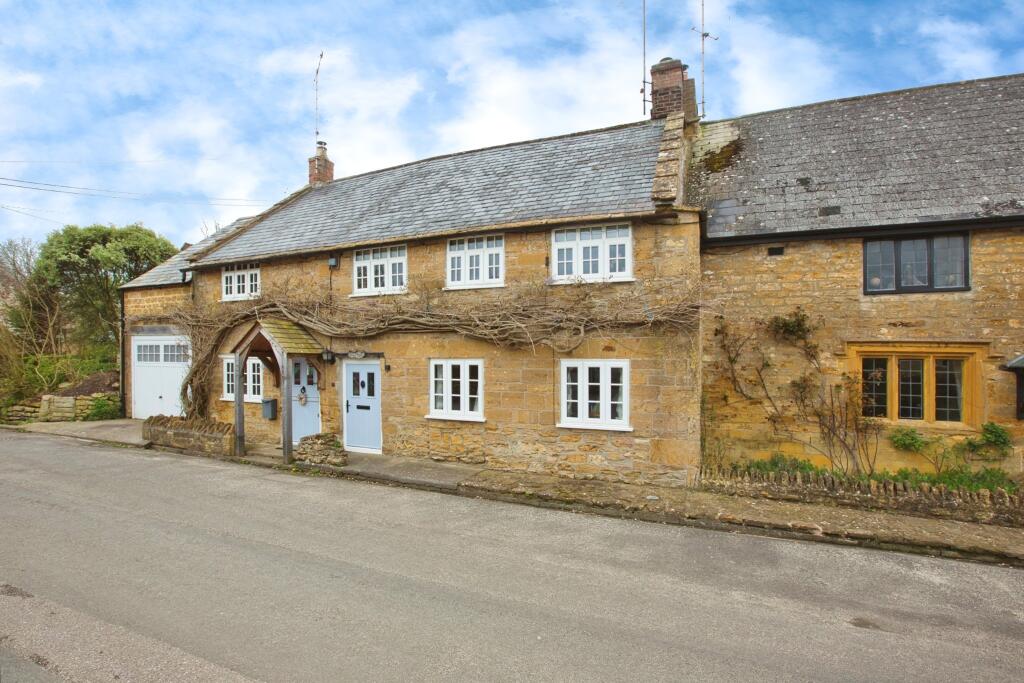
(121, 353)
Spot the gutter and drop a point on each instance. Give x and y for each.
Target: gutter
(985, 223)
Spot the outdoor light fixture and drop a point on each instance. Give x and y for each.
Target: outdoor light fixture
(327, 355)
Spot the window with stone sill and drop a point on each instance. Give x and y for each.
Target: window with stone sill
(476, 262)
(595, 394)
(939, 385)
(240, 281)
(598, 254)
(252, 380)
(380, 271)
(457, 390)
(939, 263)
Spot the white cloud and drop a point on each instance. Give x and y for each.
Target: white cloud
(960, 48)
(360, 110)
(764, 67)
(537, 73)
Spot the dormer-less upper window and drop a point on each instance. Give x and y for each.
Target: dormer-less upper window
(476, 262)
(379, 271)
(601, 254)
(917, 264)
(240, 281)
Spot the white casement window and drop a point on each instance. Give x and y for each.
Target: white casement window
(252, 386)
(379, 271)
(592, 254)
(240, 281)
(457, 390)
(595, 394)
(476, 262)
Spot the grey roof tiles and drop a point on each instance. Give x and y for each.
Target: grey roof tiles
(938, 153)
(598, 172)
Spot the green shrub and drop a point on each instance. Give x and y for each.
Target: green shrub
(960, 476)
(103, 409)
(957, 477)
(907, 439)
(780, 463)
(995, 442)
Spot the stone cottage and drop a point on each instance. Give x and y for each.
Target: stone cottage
(560, 305)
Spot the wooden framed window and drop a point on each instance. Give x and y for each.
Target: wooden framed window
(939, 263)
(476, 262)
(240, 281)
(595, 394)
(252, 380)
(457, 390)
(598, 254)
(379, 271)
(920, 382)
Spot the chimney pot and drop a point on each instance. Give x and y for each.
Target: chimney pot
(321, 169)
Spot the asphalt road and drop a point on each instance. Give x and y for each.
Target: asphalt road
(148, 566)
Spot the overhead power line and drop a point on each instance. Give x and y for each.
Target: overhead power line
(120, 194)
(30, 215)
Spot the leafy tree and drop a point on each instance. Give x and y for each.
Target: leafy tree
(85, 266)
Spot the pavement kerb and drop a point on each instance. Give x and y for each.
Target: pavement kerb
(720, 522)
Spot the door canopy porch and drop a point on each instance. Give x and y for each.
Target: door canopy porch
(274, 341)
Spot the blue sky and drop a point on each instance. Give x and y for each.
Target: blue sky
(203, 112)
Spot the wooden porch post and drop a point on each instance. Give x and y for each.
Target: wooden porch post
(239, 405)
(286, 408)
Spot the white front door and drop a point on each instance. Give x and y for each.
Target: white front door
(305, 400)
(159, 366)
(361, 408)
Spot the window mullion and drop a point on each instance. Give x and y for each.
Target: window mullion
(928, 388)
(606, 392)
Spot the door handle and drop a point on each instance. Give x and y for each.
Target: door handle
(346, 406)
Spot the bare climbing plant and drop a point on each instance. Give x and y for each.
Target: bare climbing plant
(527, 315)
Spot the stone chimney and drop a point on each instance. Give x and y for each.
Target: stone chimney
(321, 169)
(671, 91)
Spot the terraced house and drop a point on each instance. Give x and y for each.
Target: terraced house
(892, 221)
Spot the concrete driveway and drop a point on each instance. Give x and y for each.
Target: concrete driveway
(152, 566)
(124, 431)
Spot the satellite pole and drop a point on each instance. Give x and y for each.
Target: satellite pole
(316, 97)
(704, 35)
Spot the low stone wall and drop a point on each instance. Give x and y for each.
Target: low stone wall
(987, 507)
(50, 408)
(198, 436)
(320, 449)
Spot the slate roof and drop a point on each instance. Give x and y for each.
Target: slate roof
(169, 272)
(944, 152)
(601, 172)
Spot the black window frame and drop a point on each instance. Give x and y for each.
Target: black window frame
(930, 287)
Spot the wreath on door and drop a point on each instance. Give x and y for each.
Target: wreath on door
(302, 396)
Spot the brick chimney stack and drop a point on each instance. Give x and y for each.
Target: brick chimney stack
(321, 169)
(671, 91)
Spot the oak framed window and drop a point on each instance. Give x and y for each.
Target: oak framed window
(382, 270)
(598, 254)
(595, 394)
(457, 390)
(923, 383)
(938, 263)
(476, 262)
(240, 281)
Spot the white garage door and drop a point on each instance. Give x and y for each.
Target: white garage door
(159, 365)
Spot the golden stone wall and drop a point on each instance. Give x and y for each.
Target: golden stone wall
(824, 277)
(140, 304)
(521, 385)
